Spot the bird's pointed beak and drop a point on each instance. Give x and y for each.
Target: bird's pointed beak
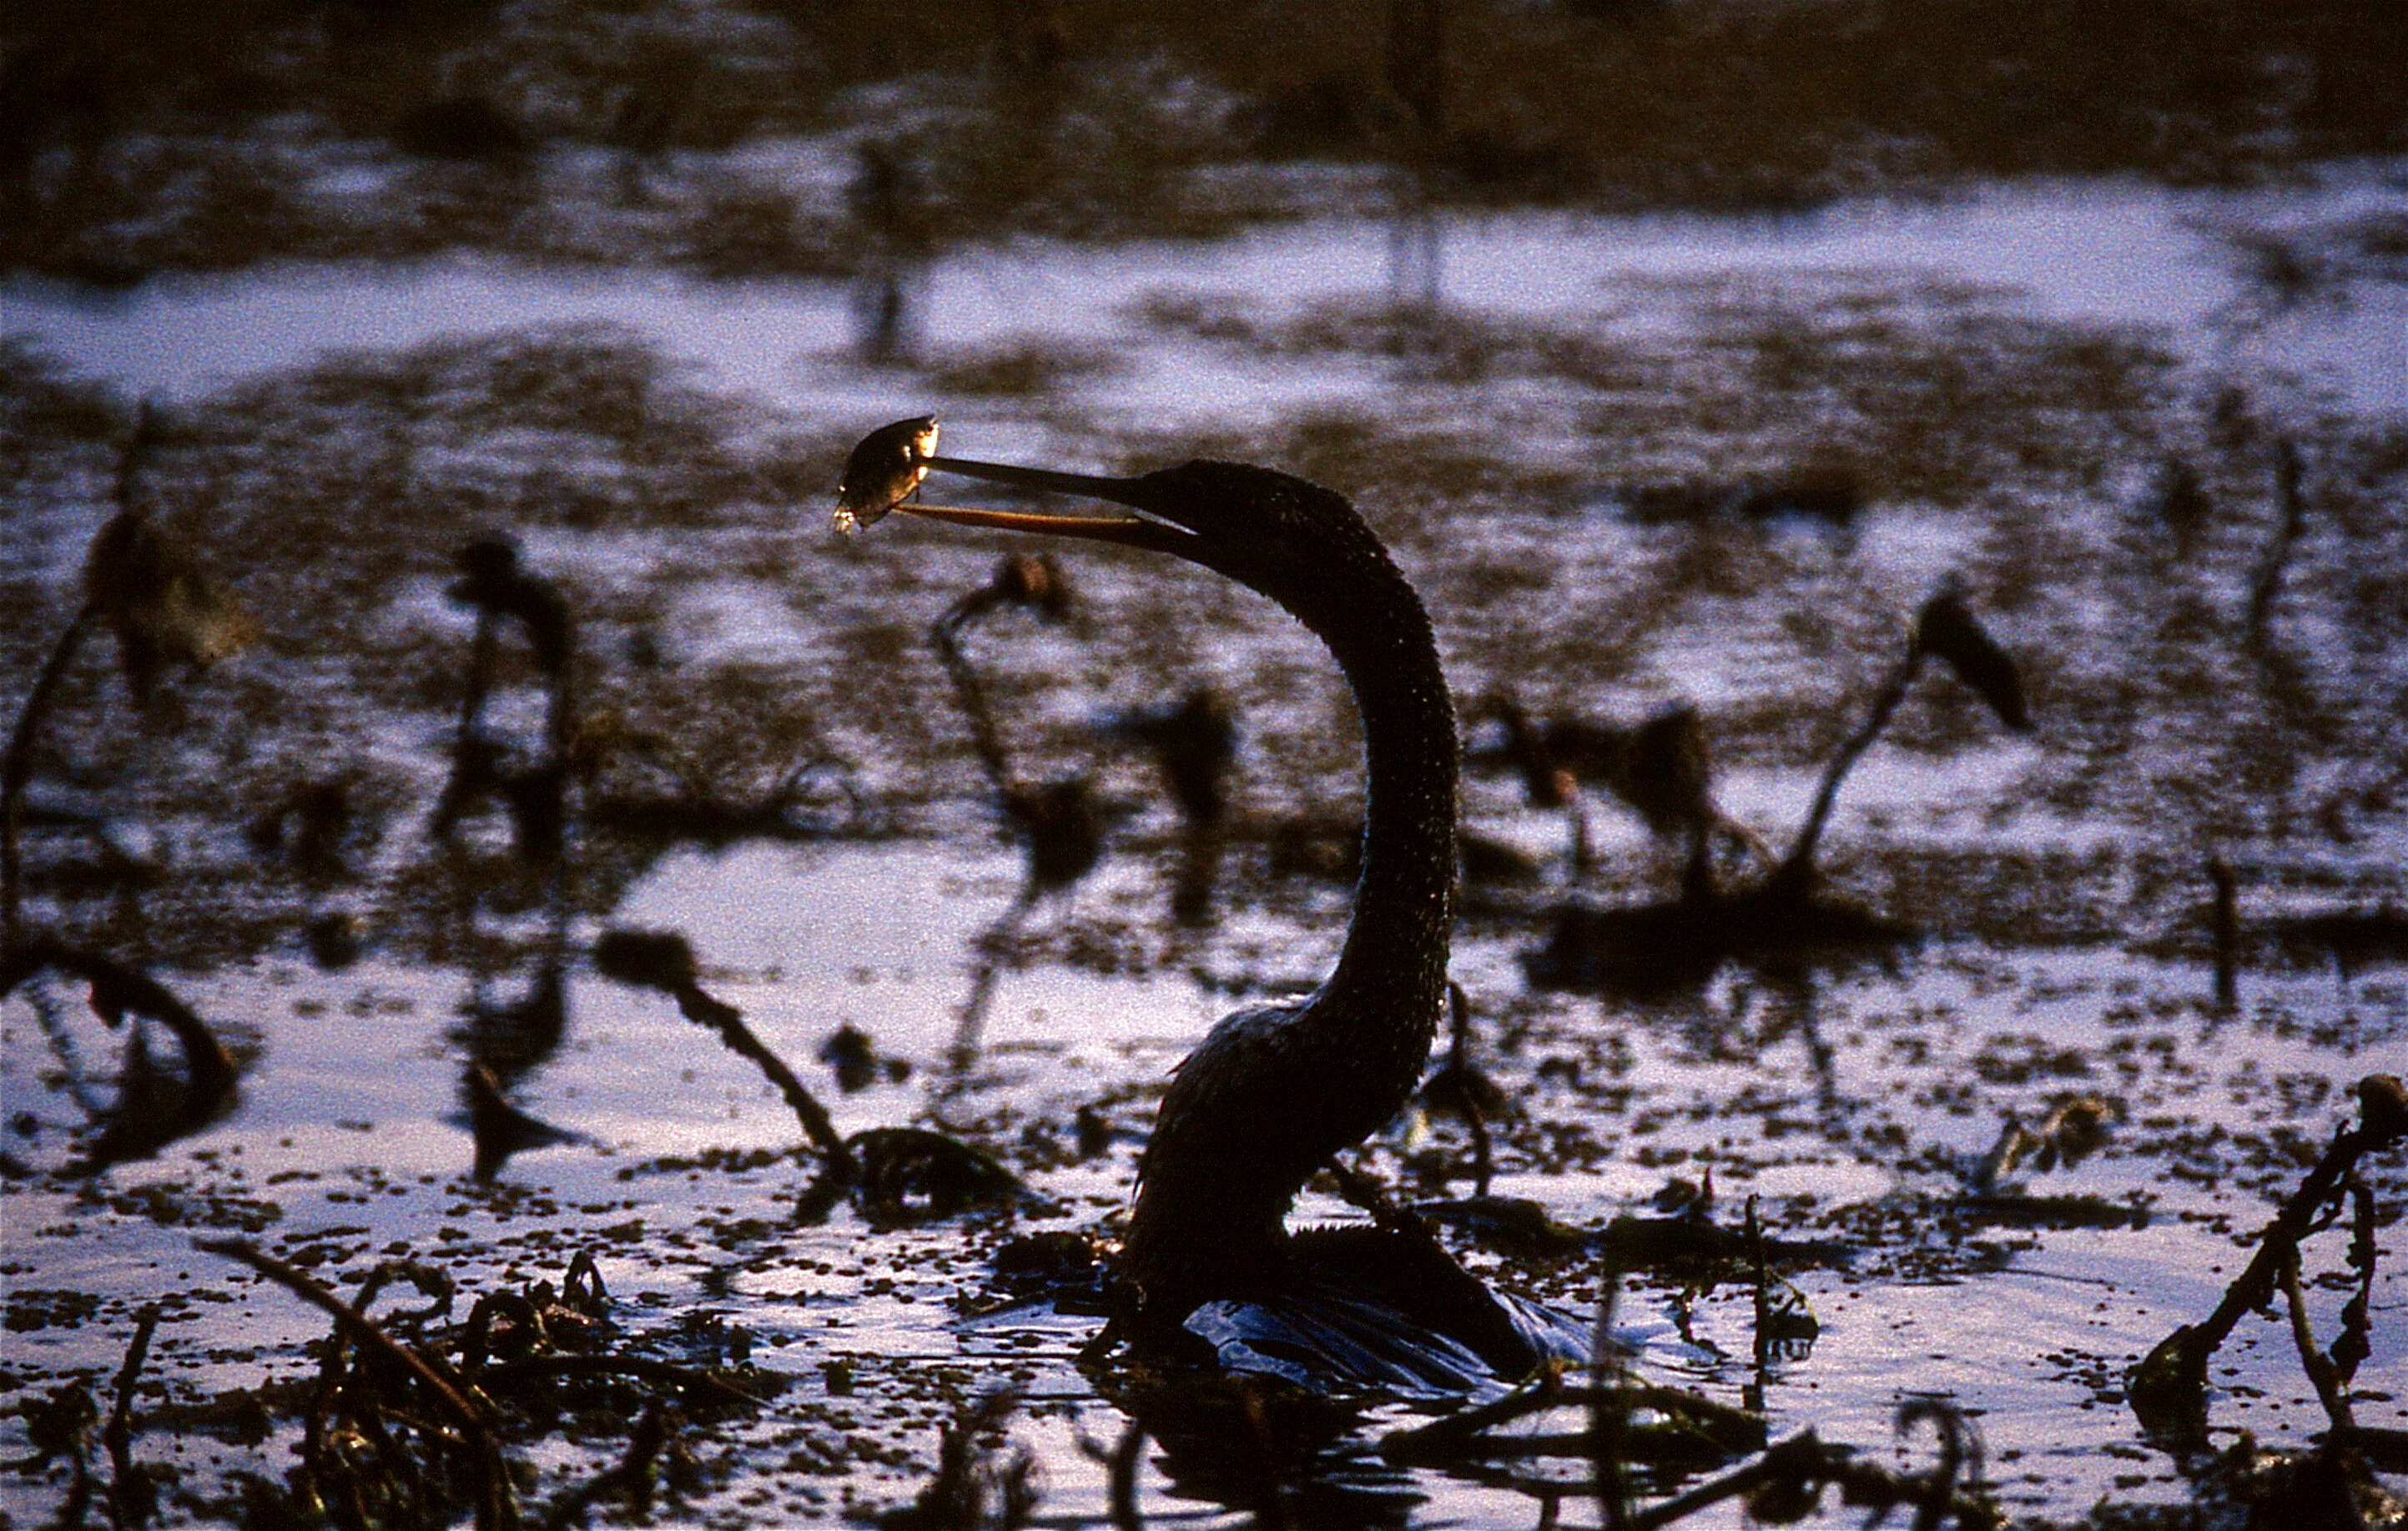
(1137, 531)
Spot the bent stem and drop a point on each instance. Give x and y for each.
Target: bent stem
(2168, 1387)
(127, 1499)
(2320, 1369)
(1797, 869)
(19, 764)
(740, 1039)
(971, 692)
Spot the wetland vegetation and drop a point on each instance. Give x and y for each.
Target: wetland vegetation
(542, 984)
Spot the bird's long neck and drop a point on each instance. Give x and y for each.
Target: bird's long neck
(1391, 974)
(1271, 1095)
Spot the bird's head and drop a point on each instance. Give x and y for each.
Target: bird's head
(1263, 528)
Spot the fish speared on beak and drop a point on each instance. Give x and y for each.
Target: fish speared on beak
(886, 459)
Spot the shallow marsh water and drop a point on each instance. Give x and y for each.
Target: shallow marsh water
(2005, 411)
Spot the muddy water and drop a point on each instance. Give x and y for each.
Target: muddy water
(653, 471)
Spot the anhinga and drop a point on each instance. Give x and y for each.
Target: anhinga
(1275, 1091)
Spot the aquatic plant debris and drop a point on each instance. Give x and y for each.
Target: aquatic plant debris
(2169, 1387)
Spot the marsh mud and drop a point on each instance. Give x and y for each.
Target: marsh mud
(1629, 463)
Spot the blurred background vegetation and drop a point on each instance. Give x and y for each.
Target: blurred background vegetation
(761, 137)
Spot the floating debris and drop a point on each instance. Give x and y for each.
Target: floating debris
(2071, 1132)
(857, 1062)
(158, 602)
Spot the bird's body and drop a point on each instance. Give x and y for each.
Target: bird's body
(883, 471)
(1275, 1091)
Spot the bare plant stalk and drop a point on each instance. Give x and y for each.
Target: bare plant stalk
(19, 764)
(2168, 1387)
(1763, 1336)
(1123, 1478)
(632, 1475)
(2268, 584)
(127, 1506)
(994, 948)
(1802, 1456)
(1445, 1438)
(2314, 1362)
(1457, 1437)
(1609, 1408)
(817, 1125)
(119, 991)
(1804, 1462)
(1797, 869)
(946, 634)
(2224, 924)
(2355, 1342)
(472, 761)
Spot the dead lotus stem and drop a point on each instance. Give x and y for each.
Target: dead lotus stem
(119, 991)
(1803, 1462)
(632, 1475)
(1802, 1456)
(971, 692)
(1455, 1435)
(1120, 1462)
(2267, 584)
(2169, 1386)
(2356, 1342)
(501, 1374)
(18, 765)
(1960, 1448)
(1123, 1478)
(816, 1124)
(1796, 869)
(662, 961)
(1608, 1413)
(2319, 1367)
(495, 1508)
(127, 1504)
